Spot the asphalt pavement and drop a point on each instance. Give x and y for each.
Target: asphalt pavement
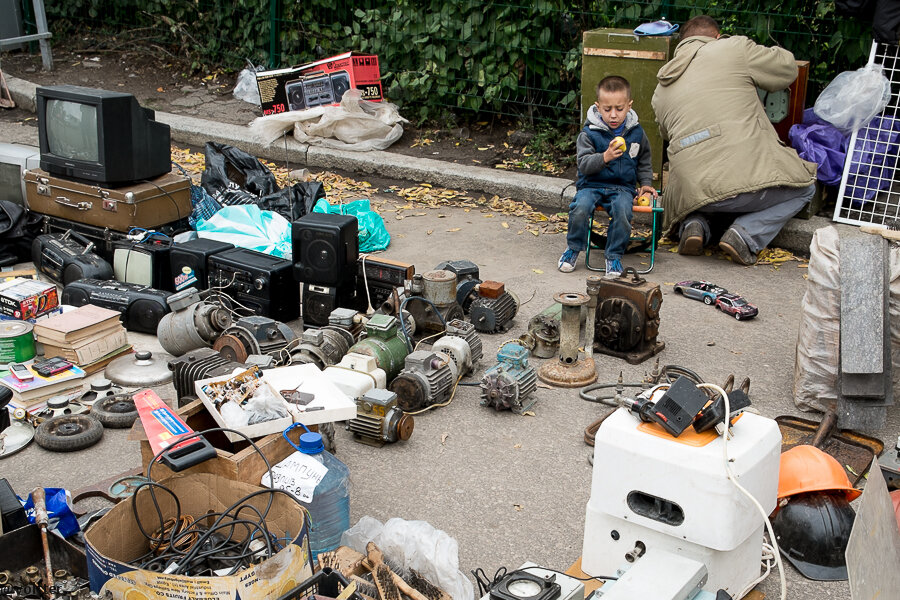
(514, 488)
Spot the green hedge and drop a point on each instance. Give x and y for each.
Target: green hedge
(439, 56)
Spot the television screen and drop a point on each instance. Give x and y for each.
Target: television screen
(133, 266)
(100, 136)
(72, 130)
(15, 159)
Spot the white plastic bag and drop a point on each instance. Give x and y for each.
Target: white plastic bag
(356, 124)
(416, 545)
(246, 89)
(853, 98)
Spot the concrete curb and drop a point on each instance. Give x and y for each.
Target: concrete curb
(551, 194)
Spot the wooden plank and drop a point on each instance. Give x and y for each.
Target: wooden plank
(590, 585)
(622, 53)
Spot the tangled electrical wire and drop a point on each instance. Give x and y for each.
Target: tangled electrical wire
(214, 543)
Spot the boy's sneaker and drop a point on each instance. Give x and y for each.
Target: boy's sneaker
(567, 261)
(613, 268)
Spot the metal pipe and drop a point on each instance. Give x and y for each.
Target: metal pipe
(42, 519)
(593, 291)
(570, 325)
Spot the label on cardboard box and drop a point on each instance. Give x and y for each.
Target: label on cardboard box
(320, 83)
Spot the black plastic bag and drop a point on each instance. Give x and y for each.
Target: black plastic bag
(230, 168)
(295, 201)
(18, 228)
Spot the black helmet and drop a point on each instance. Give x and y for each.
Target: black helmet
(813, 531)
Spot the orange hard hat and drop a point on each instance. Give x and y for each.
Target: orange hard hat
(807, 469)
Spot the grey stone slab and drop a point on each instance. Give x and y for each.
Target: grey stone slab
(860, 414)
(863, 262)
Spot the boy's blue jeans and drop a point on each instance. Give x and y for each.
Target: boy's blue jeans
(617, 202)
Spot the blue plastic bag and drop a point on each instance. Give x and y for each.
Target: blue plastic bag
(248, 227)
(61, 517)
(820, 142)
(373, 235)
(874, 159)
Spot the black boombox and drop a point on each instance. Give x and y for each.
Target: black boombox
(67, 257)
(142, 307)
(261, 283)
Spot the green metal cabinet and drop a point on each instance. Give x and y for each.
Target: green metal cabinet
(638, 59)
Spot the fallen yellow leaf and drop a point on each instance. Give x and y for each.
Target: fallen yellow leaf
(505, 225)
(159, 89)
(429, 232)
(538, 271)
(455, 229)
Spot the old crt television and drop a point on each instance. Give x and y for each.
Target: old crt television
(15, 159)
(100, 136)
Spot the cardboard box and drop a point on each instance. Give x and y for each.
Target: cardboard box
(116, 539)
(321, 83)
(237, 461)
(26, 298)
(328, 405)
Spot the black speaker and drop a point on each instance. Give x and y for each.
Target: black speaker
(141, 307)
(325, 249)
(340, 83)
(189, 262)
(320, 300)
(261, 283)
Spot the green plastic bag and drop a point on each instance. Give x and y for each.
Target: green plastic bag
(373, 235)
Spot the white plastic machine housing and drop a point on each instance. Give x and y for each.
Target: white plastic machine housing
(721, 528)
(356, 374)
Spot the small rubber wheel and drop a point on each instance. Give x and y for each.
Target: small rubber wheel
(737, 316)
(68, 433)
(116, 412)
(707, 300)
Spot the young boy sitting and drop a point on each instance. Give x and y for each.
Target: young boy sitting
(613, 157)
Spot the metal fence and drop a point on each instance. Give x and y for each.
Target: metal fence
(453, 56)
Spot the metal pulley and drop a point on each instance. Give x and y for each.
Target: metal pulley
(379, 420)
(192, 323)
(426, 379)
(255, 335)
(508, 385)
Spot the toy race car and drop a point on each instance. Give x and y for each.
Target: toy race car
(700, 290)
(736, 306)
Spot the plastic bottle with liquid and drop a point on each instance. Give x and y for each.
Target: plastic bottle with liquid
(329, 508)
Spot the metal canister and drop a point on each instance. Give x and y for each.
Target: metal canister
(16, 341)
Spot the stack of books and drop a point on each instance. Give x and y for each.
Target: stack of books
(88, 336)
(33, 395)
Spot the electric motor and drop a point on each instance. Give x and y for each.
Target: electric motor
(426, 379)
(466, 280)
(379, 419)
(439, 289)
(465, 330)
(322, 347)
(494, 309)
(459, 352)
(348, 319)
(508, 384)
(192, 323)
(356, 374)
(627, 322)
(385, 342)
(255, 335)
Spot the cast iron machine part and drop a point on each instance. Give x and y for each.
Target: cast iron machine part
(542, 337)
(569, 370)
(432, 301)
(508, 384)
(385, 342)
(192, 323)
(349, 320)
(494, 309)
(628, 317)
(379, 420)
(427, 379)
(467, 279)
(202, 363)
(322, 347)
(255, 335)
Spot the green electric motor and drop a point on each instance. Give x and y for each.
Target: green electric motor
(385, 343)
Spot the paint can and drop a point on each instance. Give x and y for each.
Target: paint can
(16, 342)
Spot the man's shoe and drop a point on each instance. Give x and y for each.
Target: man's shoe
(613, 268)
(734, 246)
(567, 261)
(691, 243)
